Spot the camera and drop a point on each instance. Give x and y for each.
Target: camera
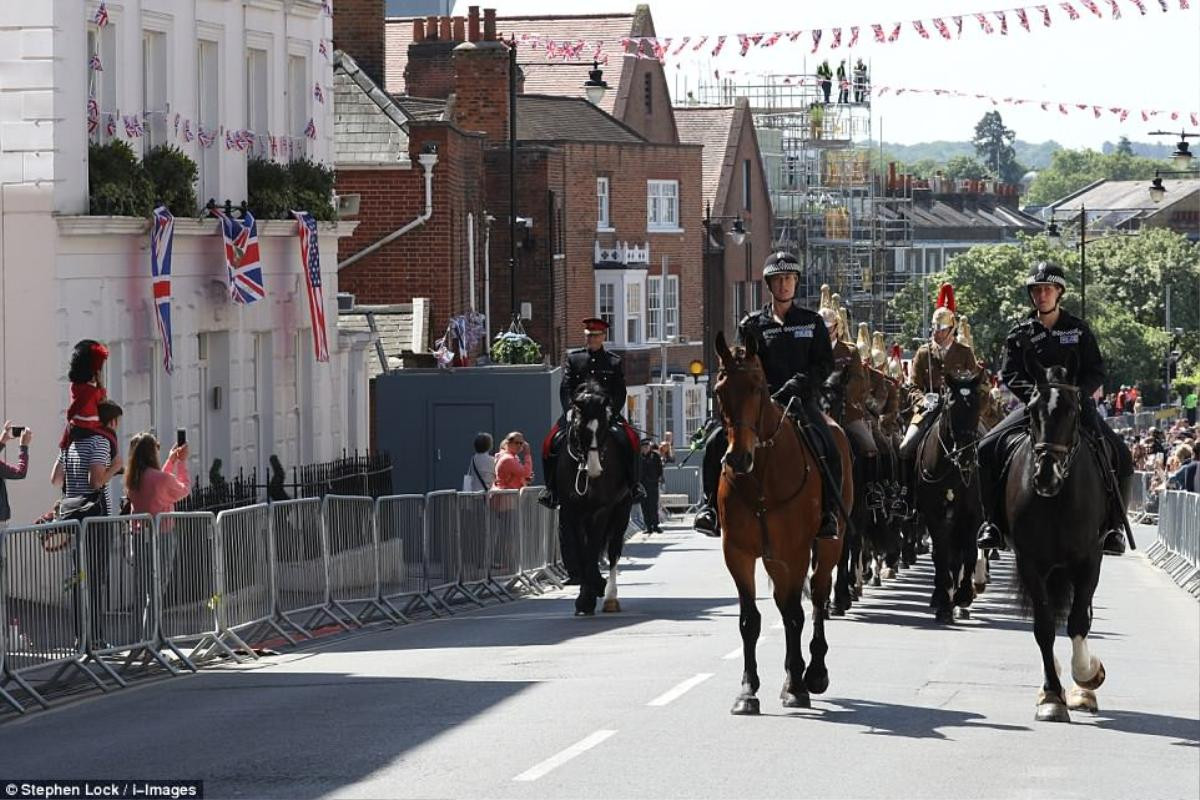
(180, 437)
(17, 430)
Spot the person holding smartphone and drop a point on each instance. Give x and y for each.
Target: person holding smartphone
(154, 489)
(12, 472)
(514, 467)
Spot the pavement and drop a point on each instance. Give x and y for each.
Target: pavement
(524, 700)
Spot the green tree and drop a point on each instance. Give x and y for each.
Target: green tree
(1124, 146)
(1133, 352)
(966, 168)
(1071, 170)
(994, 146)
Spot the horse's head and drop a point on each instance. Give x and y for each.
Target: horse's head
(833, 393)
(1053, 429)
(589, 418)
(963, 405)
(742, 394)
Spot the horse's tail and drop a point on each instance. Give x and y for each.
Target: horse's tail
(1060, 591)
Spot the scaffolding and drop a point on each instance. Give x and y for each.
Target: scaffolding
(832, 206)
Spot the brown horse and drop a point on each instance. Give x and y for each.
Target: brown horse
(769, 501)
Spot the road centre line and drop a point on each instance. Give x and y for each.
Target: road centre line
(562, 757)
(678, 691)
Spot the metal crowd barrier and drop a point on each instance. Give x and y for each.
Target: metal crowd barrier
(1177, 548)
(1140, 491)
(683, 480)
(98, 599)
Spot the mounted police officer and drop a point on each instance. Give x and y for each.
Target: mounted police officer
(932, 361)
(592, 362)
(793, 346)
(1058, 339)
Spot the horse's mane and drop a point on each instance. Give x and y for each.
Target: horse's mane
(590, 391)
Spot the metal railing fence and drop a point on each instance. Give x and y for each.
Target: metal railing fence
(1176, 550)
(95, 600)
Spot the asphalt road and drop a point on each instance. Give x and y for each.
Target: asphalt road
(526, 701)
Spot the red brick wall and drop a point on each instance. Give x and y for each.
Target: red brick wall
(429, 71)
(358, 29)
(432, 259)
(481, 88)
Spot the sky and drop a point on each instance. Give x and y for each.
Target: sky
(1137, 62)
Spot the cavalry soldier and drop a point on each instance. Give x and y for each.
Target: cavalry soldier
(793, 346)
(847, 361)
(1059, 339)
(989, 411)
(885, 397)
(592, 362)
(935, 358)
(894, 370)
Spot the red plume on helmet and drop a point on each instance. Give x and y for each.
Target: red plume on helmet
(946, 297)
(897, 353)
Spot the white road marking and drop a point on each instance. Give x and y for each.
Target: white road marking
(732, 654)
(678, 691)
(557, 760)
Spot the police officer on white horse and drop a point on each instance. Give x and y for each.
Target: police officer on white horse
(1059, 339)
(796, 354)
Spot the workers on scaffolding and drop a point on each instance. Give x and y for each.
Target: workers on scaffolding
(843, 83)
(860, 82)
(825, 79)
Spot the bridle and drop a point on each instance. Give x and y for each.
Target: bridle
(960, 457)
(1062, 455)
(576, 452)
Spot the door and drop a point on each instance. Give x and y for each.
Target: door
(454, 429)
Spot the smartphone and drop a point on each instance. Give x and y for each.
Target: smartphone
(17, 430)
(180, 437)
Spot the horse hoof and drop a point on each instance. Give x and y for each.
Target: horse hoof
(889, 573)
(585, 612)
(875, 581)
(794, 700)
(979, 587)
(1096, 680)
(944, 615)
(816, 683)
(962, 612)
(1080, 699)
(745, 707)
(1052, 712)
(611, 606)
(839, 609)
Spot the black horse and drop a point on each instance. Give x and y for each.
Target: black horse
(1054, 508)
(847, 586)
(596, 501)
(947, 495)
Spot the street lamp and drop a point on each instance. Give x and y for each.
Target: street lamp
(1158, 192)
(594, 88)
(1182, 157)
(1059, 242)
(738, 235)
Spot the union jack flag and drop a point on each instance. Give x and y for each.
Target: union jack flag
(241, 257)
(93, 114)
(101, 17)
(162, 237)
(310, 262)
(310, 130)
(322, 49)
(318, 95)
(187, 130)
(94, 63)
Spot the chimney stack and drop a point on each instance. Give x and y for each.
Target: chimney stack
(481, 88)
(489, 24)
(473, 24)
(358, 31)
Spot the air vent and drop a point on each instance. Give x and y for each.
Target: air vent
(345, 301)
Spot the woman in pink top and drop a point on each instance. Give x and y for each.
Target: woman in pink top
(514, 466)
(151, 489)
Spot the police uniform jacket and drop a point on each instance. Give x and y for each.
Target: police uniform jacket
(931, 363)
(1054, 348)
(602, 366)
(847, 360)
(799, 345)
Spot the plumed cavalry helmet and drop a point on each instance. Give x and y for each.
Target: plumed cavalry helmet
(895, 366)
(780, 262)
(1046, 272)
(843, 319)
(964, 333)
(943, 315)
(864, 342)
(878, 350)
(828, 311)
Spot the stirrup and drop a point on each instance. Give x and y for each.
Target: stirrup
(548, 498)
(990, 537)
(706, 522)
(829, 527)
(1114, 542)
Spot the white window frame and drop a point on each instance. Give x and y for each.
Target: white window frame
(616, 284)
(693, 412)
(671, 307)
(258, 96)
(606, 298)
(635, 406)
(103, 84)
(662, 205)
(603, 220)
(635, 328)
(299, 101)
(755, 293)
(654, 330)
(208, 115)
(737, 297)
(155, 80)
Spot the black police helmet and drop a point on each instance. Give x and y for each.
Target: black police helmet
(780, 262)
(1044, 272)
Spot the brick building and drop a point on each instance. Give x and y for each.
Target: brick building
(734, 188)
(609, 197)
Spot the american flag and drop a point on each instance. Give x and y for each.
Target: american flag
(101, 17)
(162, 237)
(241, 257)
(310, 130)
(310, 262)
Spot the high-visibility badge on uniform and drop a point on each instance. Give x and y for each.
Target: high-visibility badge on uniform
(593, 325)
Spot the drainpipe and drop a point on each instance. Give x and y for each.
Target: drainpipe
(427, 161)
(488, 219)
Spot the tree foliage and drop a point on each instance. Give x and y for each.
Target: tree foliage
(994, 147)
(1126, 280)
(966, 168)
(1071, 170)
